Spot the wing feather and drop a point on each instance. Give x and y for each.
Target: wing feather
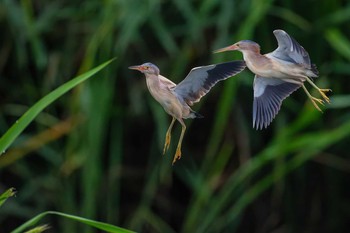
(269, 94)
(290, 50)
(201, 79)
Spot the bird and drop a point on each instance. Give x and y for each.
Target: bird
(177, 99)
(277, 75)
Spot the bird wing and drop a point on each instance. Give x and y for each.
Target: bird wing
(268, 96)
(290, 50)
(201, 79)
(166, 82)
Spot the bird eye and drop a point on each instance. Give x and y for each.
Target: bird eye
(146, 67)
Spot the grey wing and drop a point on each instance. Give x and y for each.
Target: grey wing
(201, 79)
(268, 96)
(290, 50)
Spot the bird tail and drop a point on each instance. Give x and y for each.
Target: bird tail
(314, 69)
(195, 115)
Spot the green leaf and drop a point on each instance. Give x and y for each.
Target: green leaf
(9, 193)
(98, 225)
(39, 229)
(338, 41)
(7, 139)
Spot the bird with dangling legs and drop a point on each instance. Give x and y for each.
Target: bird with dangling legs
(277, 75)
(177, 99)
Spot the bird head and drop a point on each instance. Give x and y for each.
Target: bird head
(146, 68)
(243, 45)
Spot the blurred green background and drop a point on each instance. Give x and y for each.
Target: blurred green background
(97, 151)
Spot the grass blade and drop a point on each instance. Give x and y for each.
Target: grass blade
(11, 134)
(98, 225)
(9, 193)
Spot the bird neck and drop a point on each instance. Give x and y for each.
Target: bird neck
(251, 54)
(255, 61)
(153, 83)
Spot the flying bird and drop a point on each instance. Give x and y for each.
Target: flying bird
(177, 99)
(277, 75)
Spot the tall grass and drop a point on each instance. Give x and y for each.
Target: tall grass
(107, 165)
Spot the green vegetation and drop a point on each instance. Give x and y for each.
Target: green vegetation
(93, 158)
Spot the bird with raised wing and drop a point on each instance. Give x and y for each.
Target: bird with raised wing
(277, 75)
(177, 99)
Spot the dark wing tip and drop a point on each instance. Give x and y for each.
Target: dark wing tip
(223, 71)
(228, 68)
(201, 79)
(240, 65)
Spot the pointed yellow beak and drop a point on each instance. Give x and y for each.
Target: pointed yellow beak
(228, 48)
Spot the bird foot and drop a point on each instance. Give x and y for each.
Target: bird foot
(177, 155)
(167, 143)
(315, 101)
(323, 94)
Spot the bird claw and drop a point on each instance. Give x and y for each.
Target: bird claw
(318, 100)
(177, 155)
(323, 94)
(315, 101)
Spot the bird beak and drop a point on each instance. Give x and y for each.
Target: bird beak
(139, 68)
(228, 48)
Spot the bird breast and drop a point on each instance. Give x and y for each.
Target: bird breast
(259, 64)
(165, 97)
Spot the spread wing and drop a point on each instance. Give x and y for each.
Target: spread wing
(201, 79)
(269, 94)
(290, 50)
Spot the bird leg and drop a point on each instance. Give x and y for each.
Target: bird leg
(313, 99)
(178, 149)
(168, 136)
(321, 91)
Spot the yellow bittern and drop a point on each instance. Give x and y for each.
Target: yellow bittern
(277, 75)
(177, 99)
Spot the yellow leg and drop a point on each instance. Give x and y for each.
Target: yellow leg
(178, 149)
(322, 91)
(313, 99)
(168, 136)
